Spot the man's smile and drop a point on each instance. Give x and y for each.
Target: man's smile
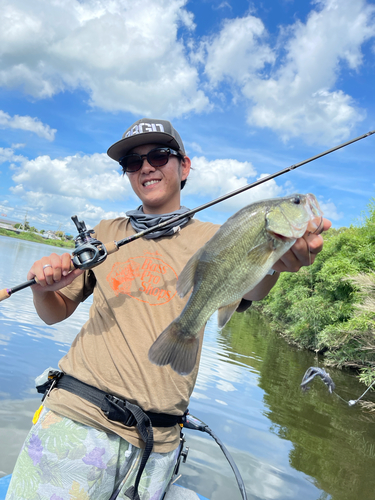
(148, 183)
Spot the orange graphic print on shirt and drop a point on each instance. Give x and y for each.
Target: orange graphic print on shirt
(146, 278)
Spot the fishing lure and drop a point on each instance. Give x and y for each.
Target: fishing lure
(311, 373)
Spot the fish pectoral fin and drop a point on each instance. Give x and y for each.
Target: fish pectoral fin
(225, 313)
(261, 253)
(186, 279)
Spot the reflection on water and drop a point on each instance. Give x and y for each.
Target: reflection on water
(330, 442)
(27, 345)
(287, 445)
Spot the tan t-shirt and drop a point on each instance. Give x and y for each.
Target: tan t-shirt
(134, 300)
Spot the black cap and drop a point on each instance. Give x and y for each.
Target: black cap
(147, 131)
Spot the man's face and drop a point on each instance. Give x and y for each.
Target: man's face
(159, 187)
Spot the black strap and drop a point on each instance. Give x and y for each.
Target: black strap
(144, 427)
(118, 410)
(114, 408)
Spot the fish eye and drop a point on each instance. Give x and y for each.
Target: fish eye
(296, 200)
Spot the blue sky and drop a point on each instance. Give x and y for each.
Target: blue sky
(252, 87)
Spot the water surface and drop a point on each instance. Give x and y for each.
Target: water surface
(286, 444)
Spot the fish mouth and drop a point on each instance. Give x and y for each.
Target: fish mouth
(280, 237)
(315, 226)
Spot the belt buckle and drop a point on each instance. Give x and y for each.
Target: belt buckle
(129, 420)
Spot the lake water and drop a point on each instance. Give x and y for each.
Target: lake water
(288, 445)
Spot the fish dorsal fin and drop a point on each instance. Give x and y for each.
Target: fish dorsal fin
(186, 279)
(225, 313)
(261, 253)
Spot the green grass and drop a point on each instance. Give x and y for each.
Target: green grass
(36, 238)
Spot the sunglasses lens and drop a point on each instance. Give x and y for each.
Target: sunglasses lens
(131, 163)
(158, 157)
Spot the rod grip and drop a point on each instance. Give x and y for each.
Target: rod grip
(4, 294)
(111, 247)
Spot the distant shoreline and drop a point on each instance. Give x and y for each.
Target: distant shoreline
(36, 238)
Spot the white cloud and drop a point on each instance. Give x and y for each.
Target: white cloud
(223, 5)
(56, 189)
(218, 177)
(7, 155)
(27, 123)
(238, 51)
(297, 94)
(49, 210)
(330, 210)
(195, 147)
(131, 56)
(301, 98)
(5, 209)
(90, 176)
(126, 55)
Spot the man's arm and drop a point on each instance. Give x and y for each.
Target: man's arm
(53, 307)
(263, 288)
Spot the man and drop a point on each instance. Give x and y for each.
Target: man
(80, 446)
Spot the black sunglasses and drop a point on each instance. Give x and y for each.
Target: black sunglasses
(157, 157)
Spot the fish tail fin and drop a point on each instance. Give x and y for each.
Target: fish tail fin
(175, 349)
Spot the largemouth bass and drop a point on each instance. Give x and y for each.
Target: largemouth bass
(229, 266)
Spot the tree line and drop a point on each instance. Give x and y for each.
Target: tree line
(26, 227)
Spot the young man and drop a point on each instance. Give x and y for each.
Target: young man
(86, 442)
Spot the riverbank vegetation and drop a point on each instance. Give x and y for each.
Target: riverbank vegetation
(330, 306)
(37, 238)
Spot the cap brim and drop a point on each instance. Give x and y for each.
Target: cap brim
(122, 147)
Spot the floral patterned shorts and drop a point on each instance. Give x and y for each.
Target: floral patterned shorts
(64, 460)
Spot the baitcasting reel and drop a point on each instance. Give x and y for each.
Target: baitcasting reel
(88, 252)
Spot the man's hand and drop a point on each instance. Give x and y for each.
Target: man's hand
(303, 252)
(53, 273)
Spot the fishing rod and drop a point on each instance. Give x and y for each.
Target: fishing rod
(89, 252)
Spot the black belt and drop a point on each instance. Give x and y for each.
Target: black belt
(118, 410)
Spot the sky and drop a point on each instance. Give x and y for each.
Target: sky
(252, 88)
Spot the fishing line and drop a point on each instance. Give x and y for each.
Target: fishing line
(316, 349)
(317, 231)
(352, 402)
(342, 399)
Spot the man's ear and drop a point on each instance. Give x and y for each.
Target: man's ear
(185, 167)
